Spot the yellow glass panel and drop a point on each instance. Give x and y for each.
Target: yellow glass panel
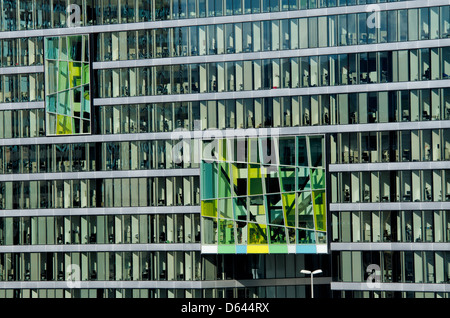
(63, 125)
(209, 208)
(257, 233)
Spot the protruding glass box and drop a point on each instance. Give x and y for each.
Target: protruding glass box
(271, 199)
(67, 85)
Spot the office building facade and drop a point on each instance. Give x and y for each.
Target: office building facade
(215, 148)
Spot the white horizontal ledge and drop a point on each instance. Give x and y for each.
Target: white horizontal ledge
(118, 247)
(389, 166)
(100, 174)
(223, 19)
(22, 105)
(388, 206)
(175, 209)
(21, 69)
(411, 287)
(389, 246)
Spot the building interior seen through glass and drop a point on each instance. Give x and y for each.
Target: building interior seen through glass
(117, 192)
(293, 72)
(28, 15)
(261, 194)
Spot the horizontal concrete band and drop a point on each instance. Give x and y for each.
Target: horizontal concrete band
(164, 284)
(118, 247)
(388, 246)
(22, 105)
(406, 287)
(388, 206)
(102, 211)
(389, 166)
(223, 19)
(116, 174)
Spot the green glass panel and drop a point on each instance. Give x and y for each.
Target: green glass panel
(319, 210)
(256, 209)
(63, 104)
(85, 74)
(241, 232)
(85, 101)
(302, 152)
(75, 48)
(209, 180)
(277, 235)
(274, 209)
(51, 103)
(76, 101)
(226, 231)
(239, 174)
(224, 180)
(63, 49)
(316, 151)
(223, 149)
(52, 48)
(287, 151)
(306, 237)
(226, 208)
(271, 179)
(240, 208)
(287, 178)
(318, 178)
(51, 84)
(291, 235)
(226, 249)
(254, 180)
(257, 233)
(305, 210)
(209, 208)
(321, 237)
(303, 179)
(209, 230)
(253, 152)
(289, 208)
(63, 76)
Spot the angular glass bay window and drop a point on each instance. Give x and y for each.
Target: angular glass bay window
(264, 195)
(67, 85)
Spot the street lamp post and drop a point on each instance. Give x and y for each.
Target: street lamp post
(306, 272)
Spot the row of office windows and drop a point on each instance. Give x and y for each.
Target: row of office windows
(349, 29)
(387, 294)
(396, 266)
(100, 229)
(308, 71)
(22, 88)
(125, 155)
(390, 146)
(306, 110)
(150, 265)
(272, 35)
(391, 186)
(28, 15)
(81, 193)
(289, 111)
(298, 291)
(391, 226)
